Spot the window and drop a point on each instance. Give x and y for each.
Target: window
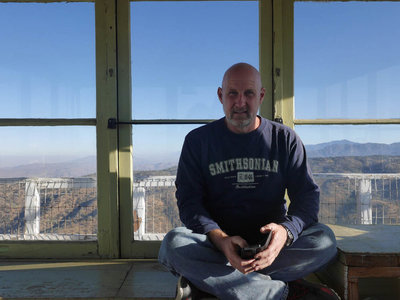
(347, 73)
(347, 69)
(47, 69)
(48, 183)
(359, 178)
(179, 53)
(48, 163)
(53, 111)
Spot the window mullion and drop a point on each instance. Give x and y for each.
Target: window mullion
(107, 140)
(283, 61)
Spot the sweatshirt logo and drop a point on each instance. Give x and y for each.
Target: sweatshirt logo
(243, 164)
(245, 177)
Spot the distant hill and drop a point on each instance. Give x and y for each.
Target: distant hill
(348, 148)
(336, 156)
(149, 163)
(140, 175)
(355, 164)
(74, 168)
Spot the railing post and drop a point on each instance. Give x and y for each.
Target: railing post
(139, 194)
(364, 205)
(32, 208)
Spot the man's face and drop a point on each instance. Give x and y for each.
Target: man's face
(241, 96)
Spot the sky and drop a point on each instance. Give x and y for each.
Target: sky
(346, 66)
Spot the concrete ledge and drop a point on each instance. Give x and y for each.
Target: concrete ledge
(365, 252)
(93, 279)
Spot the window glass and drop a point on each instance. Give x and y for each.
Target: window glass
(358, 171)
(155, 162)
(47, 60)
(180, 51)
(346, 60)
(48, 183)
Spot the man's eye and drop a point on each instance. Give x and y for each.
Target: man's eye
(249, 93)
(232, 93)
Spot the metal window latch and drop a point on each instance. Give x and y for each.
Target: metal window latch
(112, 123)
(279, 120)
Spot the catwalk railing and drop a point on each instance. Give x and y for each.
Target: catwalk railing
(365, 199)
(48, 208)
(345, 199)
(66, 208)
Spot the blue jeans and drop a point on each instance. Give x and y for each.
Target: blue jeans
(193, 256)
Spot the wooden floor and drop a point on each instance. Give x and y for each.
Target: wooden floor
(111, 279)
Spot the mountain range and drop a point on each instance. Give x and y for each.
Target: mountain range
(348, 148)
(87, 165)
(71, 168)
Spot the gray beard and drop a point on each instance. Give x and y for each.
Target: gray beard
(240, 123)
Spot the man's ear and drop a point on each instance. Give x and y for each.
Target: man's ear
(262, 94)
(219, 92)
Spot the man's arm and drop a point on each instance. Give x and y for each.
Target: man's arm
(302, 190)
(191, 189)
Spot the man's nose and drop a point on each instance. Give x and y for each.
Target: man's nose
(241, 100)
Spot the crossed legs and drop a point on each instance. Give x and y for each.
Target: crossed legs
(195, 257)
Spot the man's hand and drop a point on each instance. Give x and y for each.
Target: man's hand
(230, 245)
(266, 258)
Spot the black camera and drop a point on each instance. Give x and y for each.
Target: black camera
(250, 251)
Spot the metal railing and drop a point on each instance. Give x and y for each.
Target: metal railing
(48, 209)
(66, 208)
(154, 205)
(346, 198)
(351, 198)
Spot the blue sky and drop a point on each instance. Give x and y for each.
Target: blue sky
(352, 69)
(346, 65)
(178, 61)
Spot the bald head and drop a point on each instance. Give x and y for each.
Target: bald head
(241, 95)
(244, 69)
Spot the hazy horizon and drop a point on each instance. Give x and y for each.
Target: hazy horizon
(73, 165)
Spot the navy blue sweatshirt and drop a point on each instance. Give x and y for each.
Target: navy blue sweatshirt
(237, 182)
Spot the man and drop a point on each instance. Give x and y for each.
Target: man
(231, 181)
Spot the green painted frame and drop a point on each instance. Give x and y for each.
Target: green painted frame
(114, 146)
(107, 244)
(149, 249)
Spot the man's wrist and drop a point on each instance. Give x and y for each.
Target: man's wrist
(216, 236)
(290, 237)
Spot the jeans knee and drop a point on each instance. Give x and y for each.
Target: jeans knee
(170, 237)
(331, 238)
(172, 240)
(328, 241)
(321, 239)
